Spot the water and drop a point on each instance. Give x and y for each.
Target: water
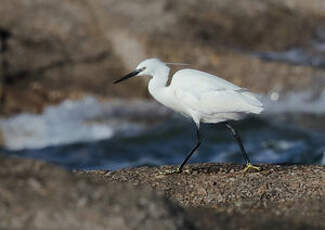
(312, 54)
(88, 134)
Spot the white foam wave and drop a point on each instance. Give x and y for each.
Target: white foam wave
(89, 119)
(75, 121)
(296, 102)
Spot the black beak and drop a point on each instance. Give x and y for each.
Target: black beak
(132, 74)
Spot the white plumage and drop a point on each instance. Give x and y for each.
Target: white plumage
(211, 99)
(198, 95)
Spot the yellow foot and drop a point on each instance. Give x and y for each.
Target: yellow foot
(250, 166)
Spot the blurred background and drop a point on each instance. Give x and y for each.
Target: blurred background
(58, 60)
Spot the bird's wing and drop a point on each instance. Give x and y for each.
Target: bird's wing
(213, 102)
(206, 93)
(190, 78)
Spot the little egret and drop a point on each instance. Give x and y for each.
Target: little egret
(201, 96)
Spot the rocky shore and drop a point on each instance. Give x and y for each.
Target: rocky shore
(56, 50)
(293, 193)
(37, 195)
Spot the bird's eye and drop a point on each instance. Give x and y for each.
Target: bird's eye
(143, 68)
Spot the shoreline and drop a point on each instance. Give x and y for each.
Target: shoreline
(209, 196)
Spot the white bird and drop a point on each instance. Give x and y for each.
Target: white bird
(201, 96)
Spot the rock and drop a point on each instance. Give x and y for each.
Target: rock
(258, 25)
(36, 195)
(266, 25)
(275, 193)
(57, 50)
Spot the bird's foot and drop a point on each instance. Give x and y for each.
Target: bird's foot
(250, 166)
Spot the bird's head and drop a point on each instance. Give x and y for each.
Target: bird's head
(146, 67)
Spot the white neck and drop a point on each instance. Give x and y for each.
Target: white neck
(159, 90)
(158, 81)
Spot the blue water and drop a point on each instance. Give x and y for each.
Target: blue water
(168, 140)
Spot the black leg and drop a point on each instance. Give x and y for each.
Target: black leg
(237, 137)
(198, 142)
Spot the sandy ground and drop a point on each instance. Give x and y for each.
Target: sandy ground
(293, 193)
(37, 195)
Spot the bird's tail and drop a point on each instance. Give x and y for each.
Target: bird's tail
(255, 105)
